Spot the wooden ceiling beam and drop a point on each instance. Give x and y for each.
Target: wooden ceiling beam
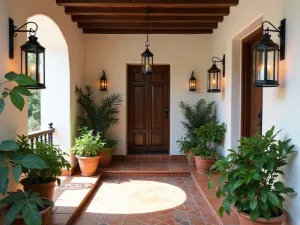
(155, 11)
(142, 18)
(151, 3)
(151, 26)
(151, 31)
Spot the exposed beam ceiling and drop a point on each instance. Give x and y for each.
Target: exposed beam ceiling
(166, 17)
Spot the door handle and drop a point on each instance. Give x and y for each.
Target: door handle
(166, 112)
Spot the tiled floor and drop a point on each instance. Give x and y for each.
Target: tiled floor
(147, 200)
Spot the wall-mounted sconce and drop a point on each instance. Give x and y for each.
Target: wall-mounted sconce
(32, 55)
(266, 57)
(103, 82)
(192, 83)
(214, 75)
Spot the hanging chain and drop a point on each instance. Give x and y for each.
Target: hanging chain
(147, 43)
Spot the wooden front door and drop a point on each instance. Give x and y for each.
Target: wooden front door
(148, 110)
(252, 97)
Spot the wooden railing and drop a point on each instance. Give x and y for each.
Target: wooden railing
(44, 136)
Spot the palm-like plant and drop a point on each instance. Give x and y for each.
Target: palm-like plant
(197, 115)
(99, 117)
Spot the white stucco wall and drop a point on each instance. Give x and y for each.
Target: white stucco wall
(183, 52)
(280, 105)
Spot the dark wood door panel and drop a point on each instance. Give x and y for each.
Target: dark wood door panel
(149, 97)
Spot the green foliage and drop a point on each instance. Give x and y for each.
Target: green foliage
(186, 144)
(110, 145)
(99, 117)
(51, 154)
(88, 144)
(208, 137)
(249, 176)
(25, 204)
(197, 115)
(16, 94)
(34, 111)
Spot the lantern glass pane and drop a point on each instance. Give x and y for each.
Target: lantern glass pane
(41, 68)
(31, 65)
(259, 65)
(23, 62)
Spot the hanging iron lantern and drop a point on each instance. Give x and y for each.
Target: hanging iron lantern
(32, 55)
(103, 82)
(266, 57)
(214, 76)
(147, 56)
(192, 82)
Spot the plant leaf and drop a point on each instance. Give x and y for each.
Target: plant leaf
(253, 204)
(8, 145)
(17, 100)
(33, 162)
(2, 105)
(31, 214)
(15, 210)
(210, 184)
(21, 90)
(36, 200)
(279, 186)
(12, 197)
(254, 214)
(221, 211)
(23, 79)
(290, 190)
(256, 177)
(237, 184)
(10, 75)
(274, 200)
(3, 179)
(226, 205)
(267, 214)
(17, 171)
(251, 193)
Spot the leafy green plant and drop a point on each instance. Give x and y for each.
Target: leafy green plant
(110, 145)
(249, 176)
(27, 204)
(51, 154)
(186, 144)
(99, 117)
(197, 115)
(88, 144)
(208, 137)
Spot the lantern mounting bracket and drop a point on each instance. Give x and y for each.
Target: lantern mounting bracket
(13, 32)
(281, 34)
(216, 59)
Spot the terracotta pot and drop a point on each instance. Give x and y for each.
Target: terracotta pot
(190, 158)
(88, 165)
(203, 164)
(245, 220)
(45, 217)
(45, 190)
(106, 157)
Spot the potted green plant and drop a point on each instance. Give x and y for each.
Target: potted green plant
(106, 155)
(187, 147)
(249, 179)
(43, 181)
(209, 136)
(195, 116)
(20, 207)
(100, 117)
(87, 149)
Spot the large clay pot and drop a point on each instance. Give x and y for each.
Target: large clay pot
(45, 190)
(190, 158)
(88, 165)
(203, 164)
(106, 157)
(245, 220)
(45, 217)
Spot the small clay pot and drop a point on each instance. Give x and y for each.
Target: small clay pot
(45, 217)
(203, 164)
(45, 190)
(190, 158)
(106, 157)
(88, 165)
(245, 220)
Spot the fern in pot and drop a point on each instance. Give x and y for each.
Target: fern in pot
(209, 136)
(249, 179)
(87, 148)
(195, 116)
(43, 181)
(99, 117)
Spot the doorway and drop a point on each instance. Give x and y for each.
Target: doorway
(148, 110)
(252, 97)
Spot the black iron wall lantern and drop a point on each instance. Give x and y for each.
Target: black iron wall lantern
(266, 57)
(192, 82)
(214, 75)
(103, 82)
(32, 54)
(147, 56)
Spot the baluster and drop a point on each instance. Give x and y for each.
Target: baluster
(31, 143)
(41, 138)
(50, 137)
(45, 138)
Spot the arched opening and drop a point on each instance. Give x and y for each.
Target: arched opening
(52, 105)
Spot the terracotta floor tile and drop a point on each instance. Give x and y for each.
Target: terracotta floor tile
(195, 220)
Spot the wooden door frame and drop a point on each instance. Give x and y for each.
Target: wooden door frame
(245, 88)
(127, 107)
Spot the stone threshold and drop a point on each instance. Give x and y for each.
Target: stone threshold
(148, 157)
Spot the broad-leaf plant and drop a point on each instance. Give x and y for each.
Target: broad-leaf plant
(250, 176)
(11, 158)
